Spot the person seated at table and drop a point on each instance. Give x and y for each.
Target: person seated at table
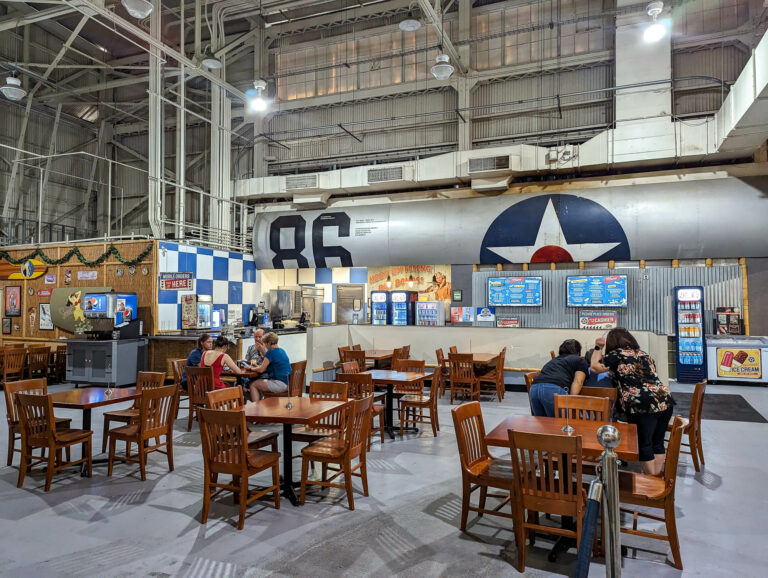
(277, 366)
(217, 359)
(565, 372)
(647, 401)
(256, 352)
(204, 343)
(596, 379)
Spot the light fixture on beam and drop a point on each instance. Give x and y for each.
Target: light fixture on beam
(656, 30)
(410, 24)
(410, 281)
(12, 89)
(443, 68)
(139, 9)
(209, 60)
(389, 281)
(256, 101)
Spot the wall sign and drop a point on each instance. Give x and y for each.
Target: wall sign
(87, 275)
(485, 314)
(433, 282)
(46, 323)
(176, 281)
(508, 322)
(188, 311)
(462, 315)
(596, 319)
(43, 292)
(50, 279)
(6, 326)
(514, 291)
(29, 269)
(739, 363)
(458, 295)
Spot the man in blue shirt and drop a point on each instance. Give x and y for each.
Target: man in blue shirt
(277, 367)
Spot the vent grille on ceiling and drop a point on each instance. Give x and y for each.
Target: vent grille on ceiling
(384, 175)
(482, 164)
(294, 182)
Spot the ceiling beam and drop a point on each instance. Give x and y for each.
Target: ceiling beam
(32, 17)
(98, 87)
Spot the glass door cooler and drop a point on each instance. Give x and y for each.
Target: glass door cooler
(691, 354)
(403, 307)
(380, 308)
(430, 313)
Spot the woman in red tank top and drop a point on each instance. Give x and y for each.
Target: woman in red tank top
(217, 358)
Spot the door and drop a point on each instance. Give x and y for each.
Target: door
(101, 364)
(77, 361)
(350, 308)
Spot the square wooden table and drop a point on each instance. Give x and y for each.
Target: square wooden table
(86, 399)
(388, 378)
(590, 447)
(378, 355)
(483, 358)
(289, 411)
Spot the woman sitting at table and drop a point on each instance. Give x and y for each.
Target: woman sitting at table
(276, 365)
(567, 370)
(646, 400)
(217, 359)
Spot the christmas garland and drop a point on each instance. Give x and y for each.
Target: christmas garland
(75, 252)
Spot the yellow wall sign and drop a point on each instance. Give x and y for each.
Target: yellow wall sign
(739, 363)
(29, 269)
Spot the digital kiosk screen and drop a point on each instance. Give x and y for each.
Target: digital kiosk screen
(597, 291)
(514, 292)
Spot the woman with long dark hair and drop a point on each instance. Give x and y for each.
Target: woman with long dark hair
(565, 372)
(646, 400)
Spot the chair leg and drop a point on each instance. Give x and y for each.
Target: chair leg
(89, 455)
(11, 440)
(364, 477)
(49, 469)
(276, 483)
(465, 504)
(243, 501)
(169, 449)
(143, 459)
(105, 434)
(111, 459)
(694, 451)
(206, 497)
(699, 447)
(26, 451)
(674, 543)
(433, 421)
(403, 418)
(304, 475)
(483, 496)
(520, 540)
(191, 416)
(348, 483)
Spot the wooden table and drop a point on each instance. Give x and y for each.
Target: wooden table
(86, 399)
(590, 447)
(388, 378)
(378, 355)
(483, 358)
(302, 412)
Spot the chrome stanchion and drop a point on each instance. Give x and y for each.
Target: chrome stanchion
(609, 437)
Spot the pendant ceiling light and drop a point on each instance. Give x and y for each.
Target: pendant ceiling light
(139, 9)
(443, 68)
(410, 24)
(12, 89)
(389, 281)
(410, 281)
(656, 30)
(256, 101)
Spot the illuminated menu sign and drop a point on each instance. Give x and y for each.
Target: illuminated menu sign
(597, 291)
(514, 292)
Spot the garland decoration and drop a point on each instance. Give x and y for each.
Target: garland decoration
(75, 252)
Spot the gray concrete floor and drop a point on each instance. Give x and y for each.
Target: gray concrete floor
(407, 527)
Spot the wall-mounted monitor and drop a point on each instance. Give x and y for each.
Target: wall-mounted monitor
(514, 292)
(597, 291)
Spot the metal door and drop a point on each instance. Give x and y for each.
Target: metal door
(350, 304)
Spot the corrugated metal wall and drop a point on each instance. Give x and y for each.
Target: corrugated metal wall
(649, 295)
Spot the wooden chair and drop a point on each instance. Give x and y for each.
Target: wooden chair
(583, 408)
(13, 364)
(397, 355)
(31, 386)
(528, 385)
(38, 430)
(354, 355)
(157, 411)
(406, 351)
(59, 373)
(442, 366)
(546, 486)
(37, 361)
(231, 399)
(463, 378)
(357, 347)
(413, 407)
(495, 378)
(342, 350)
(479, 469)
(360, 386)
(649, 491)
(414, 365)
(295, 382)
(225, 451)
(453, 349)
(552, 354)
(692, 426)
(144, 380)
(331, 425)
(610, 392)
(341, 451)
(414, 388)
(199, 383)
(348, 367)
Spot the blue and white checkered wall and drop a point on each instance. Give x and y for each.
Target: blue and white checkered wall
(236, 286)
(230, 278)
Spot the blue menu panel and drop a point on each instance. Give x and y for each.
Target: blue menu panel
(514, 291)
(597, 291)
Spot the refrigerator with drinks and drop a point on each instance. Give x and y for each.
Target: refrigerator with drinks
(431, 313)
(403, 307)
(380, 308)
(691, 354)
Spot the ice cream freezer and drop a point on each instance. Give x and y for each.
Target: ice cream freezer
(739, 358)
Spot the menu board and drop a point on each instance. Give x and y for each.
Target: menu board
(597, 291)
(514, 291)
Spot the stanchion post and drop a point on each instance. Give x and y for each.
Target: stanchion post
(609, 437)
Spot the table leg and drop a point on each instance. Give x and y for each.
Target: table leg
(288, 490)
(86, 426)
(389, 424)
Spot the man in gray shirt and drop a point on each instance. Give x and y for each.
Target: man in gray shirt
(257, 351)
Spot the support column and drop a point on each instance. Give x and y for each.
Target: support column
(464, 86)
(181, 157)
(155, 160)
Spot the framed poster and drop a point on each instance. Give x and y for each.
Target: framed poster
(457, 295)
(6, 326)
(45, 323)
(13, 301)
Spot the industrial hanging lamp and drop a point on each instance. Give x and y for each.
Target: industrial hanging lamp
(656, 30)
(410, 24)
(442, 68)
(12, 89)
(257, 102)
(139, 9)
(410, 281)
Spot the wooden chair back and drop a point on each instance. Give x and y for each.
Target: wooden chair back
(329, 390)
(199, 382)
(414, 365)
(360, 385)
(583, 408)
(529, 384)
(673, 454)
(462, 369)
(36, 418)
(17, 346)
(60, 362)
(225, 439)
(406, 351)
(349, 367)
(697, 405)
(342, 350)
(397, 355)
(357, 347)
(442, 363)
(13, 364)
(37, 361)
(31, 386)
(227, 399)
(453, 349)
(354, 355)
(544, 484)
(470, 435)
(552, 354)
(358, 423)
(177, 368)
(149, 380)
(296, 381)
(157, 411)
(610, 392)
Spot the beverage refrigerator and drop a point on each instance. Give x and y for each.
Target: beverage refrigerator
(380, 308)
(403, 307)
(430, 313)
(691, 354)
